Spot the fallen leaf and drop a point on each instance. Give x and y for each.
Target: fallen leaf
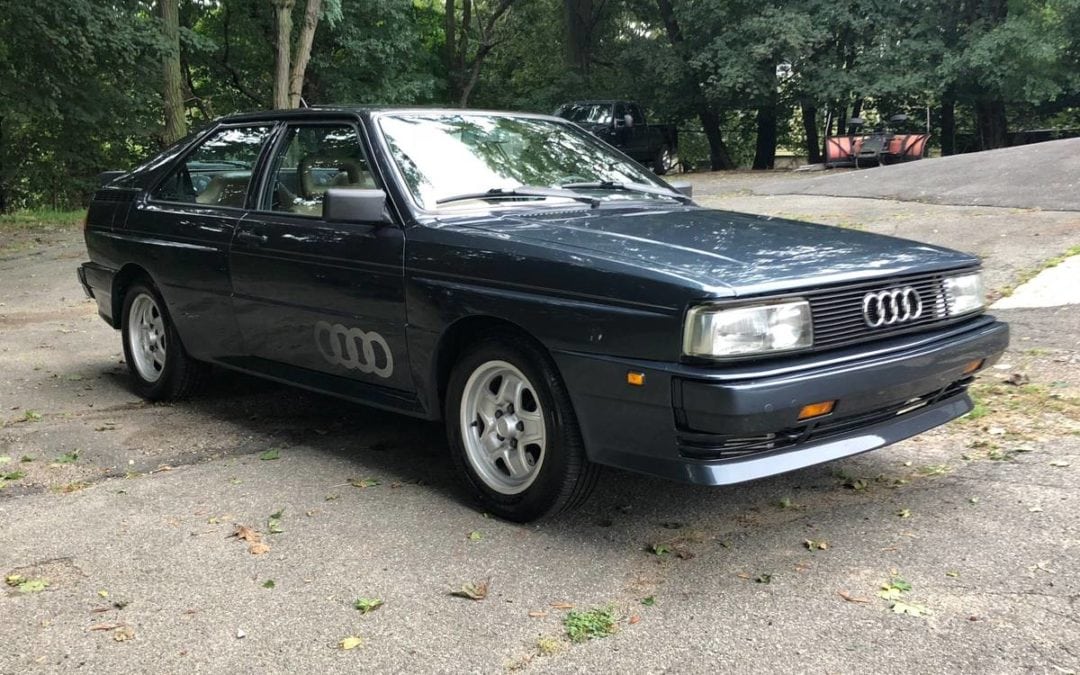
(851, 598)
(1017, 379)
(635, 619)
(1059, 463)
(659, 549)
(909, 608)
(472, 591)
(816, 545)
(14, 579)
(258, 548)
(475, 535)
(368, 605)
(904, 513)
(763, 578)
(123, 634)
(562, 605)
(649, 601)
(245, 533)
(363, 482)
(105, 626)
(103, 593)
(269, 583)
(537, 615)
(351, 642)
(272, 453)
(274, 522)
(33, 585)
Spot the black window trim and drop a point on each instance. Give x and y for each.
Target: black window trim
(272, 125)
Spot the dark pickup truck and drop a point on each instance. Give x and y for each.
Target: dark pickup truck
(623, 124)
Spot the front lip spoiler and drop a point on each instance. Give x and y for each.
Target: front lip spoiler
(740, 470)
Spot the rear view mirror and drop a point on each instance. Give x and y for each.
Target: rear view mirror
(683, 187)
(356, 206)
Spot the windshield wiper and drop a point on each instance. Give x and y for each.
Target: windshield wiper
(523, 191)
(629, 187)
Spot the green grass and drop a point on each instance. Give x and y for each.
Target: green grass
(591, 624)
(39, 219)
(25, 230)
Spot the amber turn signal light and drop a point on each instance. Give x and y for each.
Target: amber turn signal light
(816, 410)
(635, 379)
(973, 366)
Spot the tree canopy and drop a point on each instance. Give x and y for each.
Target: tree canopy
(87, 86)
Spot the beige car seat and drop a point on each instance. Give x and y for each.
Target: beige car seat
(226, 189)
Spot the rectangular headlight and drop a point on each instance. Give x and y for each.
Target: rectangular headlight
(965, 293)
(714, 332)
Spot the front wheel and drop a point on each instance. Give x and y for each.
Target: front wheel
(666, 161)
(513, 433)
(160, 368)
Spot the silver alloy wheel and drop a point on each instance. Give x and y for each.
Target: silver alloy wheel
(502, 427)
(146, 337)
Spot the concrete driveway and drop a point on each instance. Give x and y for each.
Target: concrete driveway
(126, 510)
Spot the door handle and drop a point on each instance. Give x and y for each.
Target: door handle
(251, 237)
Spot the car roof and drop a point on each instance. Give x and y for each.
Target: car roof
(319, 111)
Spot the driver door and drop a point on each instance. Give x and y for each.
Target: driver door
(313, 297)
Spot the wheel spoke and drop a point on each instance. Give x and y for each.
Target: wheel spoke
(516, 462)
(533, 434)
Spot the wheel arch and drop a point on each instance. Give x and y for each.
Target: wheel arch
(459, 335)
(127, 275)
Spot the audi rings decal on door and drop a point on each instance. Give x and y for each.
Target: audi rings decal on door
(887, 308)
(354, 349)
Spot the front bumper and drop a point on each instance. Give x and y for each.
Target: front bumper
(721, 425)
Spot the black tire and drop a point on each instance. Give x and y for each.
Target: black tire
(180, 375)
(565, 477)
(666, 161)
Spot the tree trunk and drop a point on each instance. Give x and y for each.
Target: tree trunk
(719, 157)
(990, 119)
(813, 143)
(303, 51)
(579, 20)
(948, 126)
(172, 87)
(450, 49)
(283, 10)
(765, 150)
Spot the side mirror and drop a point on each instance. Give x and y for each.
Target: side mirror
(628, 120)
(355, 206)
(683, 186)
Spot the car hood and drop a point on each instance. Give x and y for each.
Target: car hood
(727, 253)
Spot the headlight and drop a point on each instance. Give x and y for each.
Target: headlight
(964, 293)
(713, 331)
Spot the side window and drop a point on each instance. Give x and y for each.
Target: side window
(218, 172)
(312, 160)
(636, 114)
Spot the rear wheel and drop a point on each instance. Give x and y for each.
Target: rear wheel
(512, 431)
(159, 366)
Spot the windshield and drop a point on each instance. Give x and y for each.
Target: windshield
(447, 154)
(586, 113)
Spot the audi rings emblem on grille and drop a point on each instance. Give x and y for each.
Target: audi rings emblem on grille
(887, 308)
(354, 349)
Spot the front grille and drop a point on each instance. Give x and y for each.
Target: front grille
(838, 312)
(732, 447)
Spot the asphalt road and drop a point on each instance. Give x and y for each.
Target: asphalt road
(132, 531)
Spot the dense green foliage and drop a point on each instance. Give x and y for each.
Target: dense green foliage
(81, 80)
